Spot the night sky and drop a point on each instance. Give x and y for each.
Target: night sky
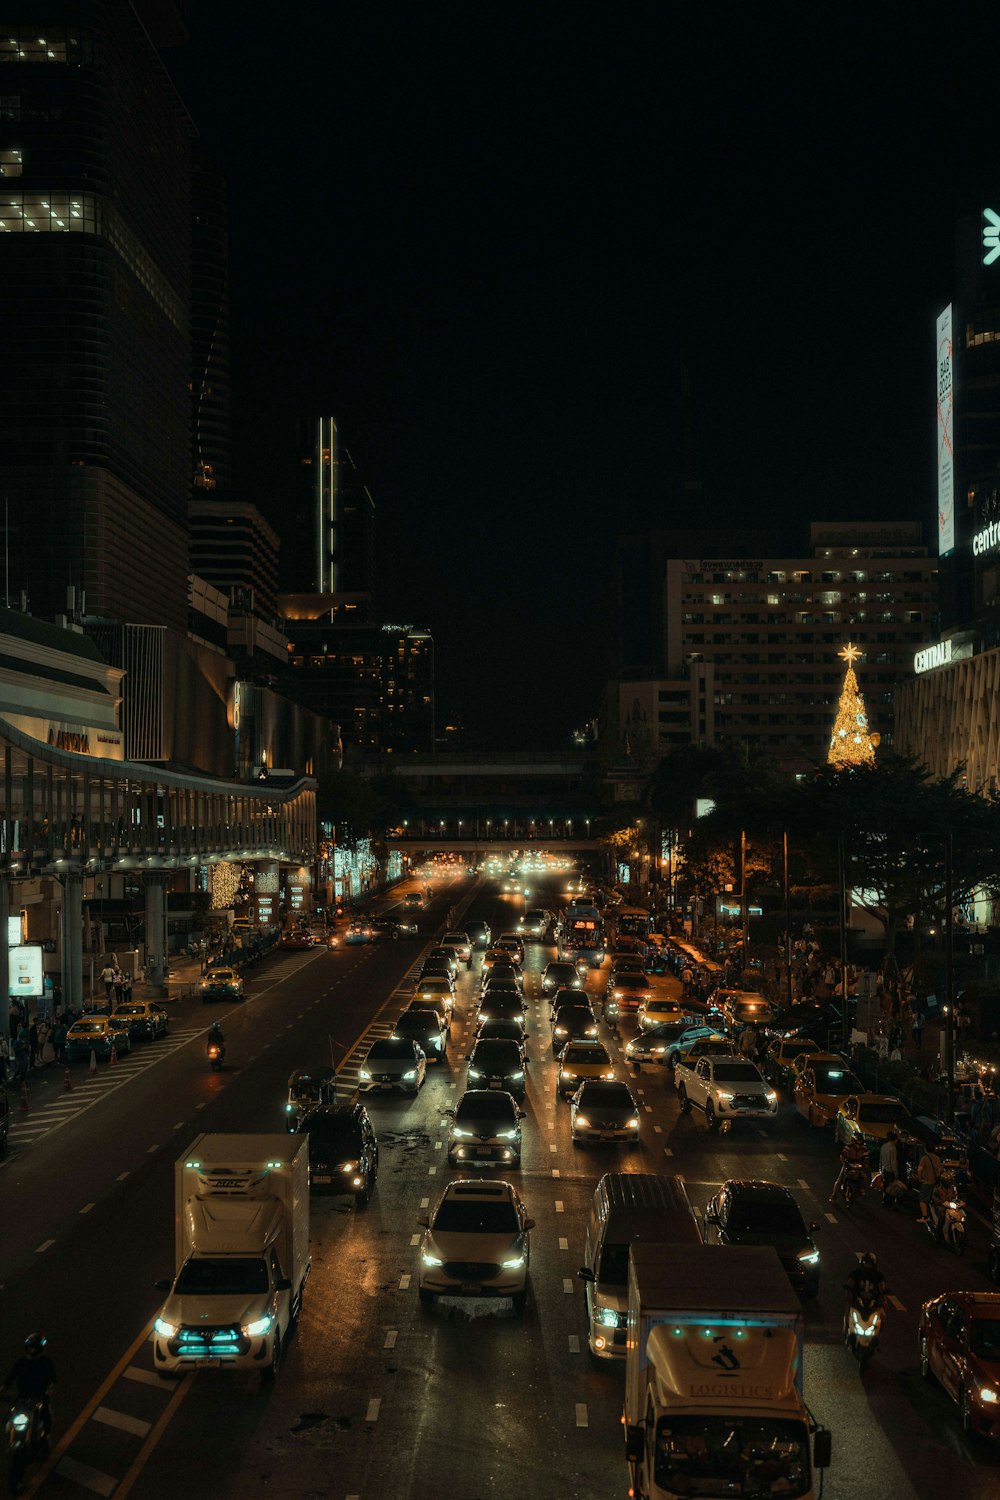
(489, 236)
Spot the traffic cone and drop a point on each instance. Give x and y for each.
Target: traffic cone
(93, 1060)
(25, 1105)
(67, 1086)
(114, 1056)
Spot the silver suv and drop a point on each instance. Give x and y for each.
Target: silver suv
(475, 1244)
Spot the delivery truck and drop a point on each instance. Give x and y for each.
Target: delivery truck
(241, 1244)
(713, 1376)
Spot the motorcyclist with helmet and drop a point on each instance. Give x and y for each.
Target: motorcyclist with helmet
(866, 1282)
(32, 1377)
(854, 1157)
(215, 1038)
(943, 1194)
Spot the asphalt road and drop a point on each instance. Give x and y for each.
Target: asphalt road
(379, 1397)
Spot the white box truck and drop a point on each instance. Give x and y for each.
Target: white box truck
(713, 1376)
(241, 1231)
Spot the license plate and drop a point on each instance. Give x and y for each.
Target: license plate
(484, 1151)
(495, 1083)
(471, 1286)
(208, 1363)
(322, 1177)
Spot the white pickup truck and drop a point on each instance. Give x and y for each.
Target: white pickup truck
(726, 1088)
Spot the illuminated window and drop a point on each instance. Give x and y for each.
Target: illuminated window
(11, 162)
(43, 212)
(43, 43)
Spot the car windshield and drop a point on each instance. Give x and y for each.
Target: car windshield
(631, 981)
(766, 1216)
(128, 1010)
(736, 1072)
(222, 1278)
(614, 1265)
(560, 971)
(578, 1056)
(477, 1216)
(417, 1023)
(435, 986)
(669, 1031)
(984, 1338)
(500, 1030)
(333, 1139)
(882, 1114)
(727, 1455)
(89, 1026)
(392, 1049)
(832, 1080)
(497, 1054)
(566, 1014)
(607, 1096)
(484, 1107)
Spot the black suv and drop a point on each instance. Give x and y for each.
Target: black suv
(343, 1151)
(572, 1023)
(426, 1027)
(496, 1064)
(748, 1212)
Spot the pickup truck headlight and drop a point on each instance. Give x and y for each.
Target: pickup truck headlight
(607, 1317)
(475, 1073)
(724, 1096)
(808, 1257)
(165, 1330)
(771, 1097)
(513, 1263)
(507, 1135)
(516, 1077)
(431, 1260)
(632, 1124)
(409, 1076)
(459, 1134)
(363, 1073)
(260, 1328)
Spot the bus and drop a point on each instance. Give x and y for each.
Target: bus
(633, 922)
(583, 934)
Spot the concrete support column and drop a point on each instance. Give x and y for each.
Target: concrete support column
(72, 941)
(156, 933)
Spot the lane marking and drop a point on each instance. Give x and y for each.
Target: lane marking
(667, 1151)
(581, 1414)
(390, 1338)
(432, 1171)
(555, 1171)
(143, 1377)
(122, 1421)
(91, 1479)
(574, 1343)
(404, 1282)
(832, 1218)
(151, 1150)
(425, 1203)
(86, 1208)
(166, 1416)
(414, 1239)
(803, 1184)
(895, 1302)
(563, 1244)
(559, 1205)
(371, 1415)
(781, 1156)
(122, 1176)
(657, 1129)
(45, 1245)
(567, 1286)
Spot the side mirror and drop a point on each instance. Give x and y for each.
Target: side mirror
(522, 1114)
(449, 1114)
(283, 1284)
(823, 1448)
(163, 1286)
(712, 1213)
(586, 1274)
(424, 1221)
(635, 1444)
(528, 1224)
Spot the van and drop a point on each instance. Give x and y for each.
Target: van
(627, 1206)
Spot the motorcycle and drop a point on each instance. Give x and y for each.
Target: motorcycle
(853, 1184)
(24, 1440)
(862, 1329)
(947, 1224)
(216, 1055)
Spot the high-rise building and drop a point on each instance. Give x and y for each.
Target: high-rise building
(236, 550)
(746, 650)
(210, 372)
(95, 255)
(337, 517)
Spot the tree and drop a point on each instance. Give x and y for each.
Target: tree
(359, 808)
(852, 743)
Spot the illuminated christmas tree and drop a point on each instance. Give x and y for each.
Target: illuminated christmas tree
(852, 742)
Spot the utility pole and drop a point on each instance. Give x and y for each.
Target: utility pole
(949, 980)
(842, 897)
(744, 913)
(788, 924)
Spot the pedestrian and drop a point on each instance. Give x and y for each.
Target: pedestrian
(59, 1039)
(917, 1029)
(22, 1055)
(108, 980)
(33, 1045)
(45, 1052)
(119, 986)
(928, 1173)
(888, 1165)
(127, 986)
(748, 1043)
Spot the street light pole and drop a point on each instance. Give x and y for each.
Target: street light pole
(842, 897)
(788, 925)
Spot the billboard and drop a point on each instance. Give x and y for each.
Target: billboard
(25, 977)
(945, 434)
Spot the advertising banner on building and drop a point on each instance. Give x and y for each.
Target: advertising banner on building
(945, 436)
(25, 970)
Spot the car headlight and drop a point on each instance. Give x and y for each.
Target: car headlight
(771, 1096)
(516, 1077)
(988, 1394)
(514, 1263)
(607, 1317)
(507, 1135)
(564, 1074)
(20, 1420)
(349, 1166)
(632, 1124)
(409, 1075)
(289, 1109)
(165, 1330)
(475, 1073)
(560, 1031)
(459, 1134)
(658, 1051)
(363, 1073)
(808, 1257)
(724, 1095)
(582, 1120)
(431, 1260)
(617, 995)
(259, 1329)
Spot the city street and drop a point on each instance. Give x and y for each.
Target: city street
(379, 1396)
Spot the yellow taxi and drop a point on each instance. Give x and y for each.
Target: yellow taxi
(821, 1083)
(221, 983)
(579, 1060)
(868, 1118)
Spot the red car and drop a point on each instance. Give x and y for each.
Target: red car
(960, 1347)
(296, 940)
(630, 991)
